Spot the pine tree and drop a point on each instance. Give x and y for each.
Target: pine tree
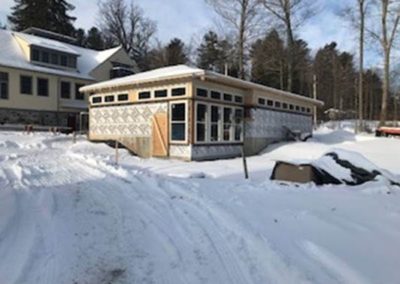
(210, 53)
(50, 15)
(80, 36)
(268, 61)
(95, 39)
(175, 52)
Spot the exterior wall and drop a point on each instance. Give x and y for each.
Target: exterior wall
(129, 124)
(211, 152)
(266, 126)
(183, 152)
(53, 102)
(45, 118)
(102, 72)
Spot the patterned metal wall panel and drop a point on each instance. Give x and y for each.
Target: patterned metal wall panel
(131, 120)
(180, 151)
(215, 152)
(269, 124)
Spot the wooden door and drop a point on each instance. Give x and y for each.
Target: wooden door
(160, 137)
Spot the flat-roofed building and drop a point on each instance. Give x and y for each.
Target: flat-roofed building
(193, 114)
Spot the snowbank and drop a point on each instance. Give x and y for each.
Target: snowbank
(68, 214)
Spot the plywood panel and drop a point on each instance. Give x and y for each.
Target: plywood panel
(160, 135)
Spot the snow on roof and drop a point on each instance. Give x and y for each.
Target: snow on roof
(46, 43)
(181, 71)
(11, 55)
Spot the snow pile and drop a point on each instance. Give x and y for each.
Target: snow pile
(68, 214)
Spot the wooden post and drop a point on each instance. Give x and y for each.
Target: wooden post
(116, 152)
(315, 97)
(246, 172)
(74, 137)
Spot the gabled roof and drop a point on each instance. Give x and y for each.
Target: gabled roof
(184, 71)
(11, 55)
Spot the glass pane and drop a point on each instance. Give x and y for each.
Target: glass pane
(227, 132)
(214, 132)
(3, 90)
(123, 97)
(228, 97)
(215, 95)
(238, 132)
(96, 100)
(160, 93)
(201, 132)
(178, 92)
(144, 95)
(178, 112)
(238, 116)
(178, 131)
(201, 93)
(201, 112)
(43, 87)
(214, 114)
(227, 115)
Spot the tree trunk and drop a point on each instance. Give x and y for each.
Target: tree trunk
(385, 87)
(290, 42)
(241, 38)
(361, 67)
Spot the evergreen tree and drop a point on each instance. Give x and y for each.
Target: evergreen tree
(175, 52)
(95, 39)
(80, 36)
(50, 15)
(210, 54)
(268, 61)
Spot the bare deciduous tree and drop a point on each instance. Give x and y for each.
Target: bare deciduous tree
(291, 14)
(389, 17)
(126, 25)
(244, 18)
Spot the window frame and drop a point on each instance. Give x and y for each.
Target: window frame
(61, 90)
(5, 81)
(159, 91)
(123, 94)
(185, 141)
(96, 97)
(38, 79)
(21, 91)
(144, 92)
(110, 101)
(220, 124)
(178, 88)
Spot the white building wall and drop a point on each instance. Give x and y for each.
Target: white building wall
(123, 121)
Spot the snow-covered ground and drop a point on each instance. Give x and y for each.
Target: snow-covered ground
(69, 215)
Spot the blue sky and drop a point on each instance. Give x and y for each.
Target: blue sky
(189, 19)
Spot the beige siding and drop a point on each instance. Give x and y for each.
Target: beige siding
(102, 72)
(53, 102)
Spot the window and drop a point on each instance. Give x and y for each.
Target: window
(201, 120)
(123, 97)
(201, 93)
(65, 90)
(214, 123)
(238, 99)
(291, 107)
(54, 59)
(297, 108)
(3, 85)
(97, 100)
(278, 104)
(34, 54)
(215, 95)
(144, 95)
(227, 124)
(261, 101)
(228, 97)
(285, 105)
(178, 92)
(238, 120)
(160, 94)
(303, 109)
(308, 110)
(45, 57)
(78, 95)
(42, 87)
(270, 103)
(109, 99)
(178, 122)
(26, 85)
(71, 61)
(63, 60)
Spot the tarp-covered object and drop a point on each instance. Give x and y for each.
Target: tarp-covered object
(338, 167)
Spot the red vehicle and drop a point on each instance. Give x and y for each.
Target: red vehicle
(387, 131)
